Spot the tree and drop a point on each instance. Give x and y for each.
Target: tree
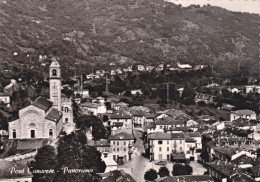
(150, 175)
(98, 130)
(163, 171)
(73, 153)
(44, 159)
(181, 169)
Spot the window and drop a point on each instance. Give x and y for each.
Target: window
(124, 143)
(168, 149)
(54, 72)
(118, 149)
(160, 142)
(180, 148)
(180, 141)
(50, 133)
(66, 109)
(14, 133)
(117, 142)
(66, 120)
(114, 143)
(114, 150)
(168, 142)
(160, 149)
(125, 149)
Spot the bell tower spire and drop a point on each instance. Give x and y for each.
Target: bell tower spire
(55, 84)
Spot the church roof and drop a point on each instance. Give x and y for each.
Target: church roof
(54, 115)
(42, 103)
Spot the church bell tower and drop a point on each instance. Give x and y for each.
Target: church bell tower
(55, 84)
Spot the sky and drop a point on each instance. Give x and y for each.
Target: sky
(251, 6)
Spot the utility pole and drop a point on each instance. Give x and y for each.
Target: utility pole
(167, 93)
(106, 84)
(81, 82)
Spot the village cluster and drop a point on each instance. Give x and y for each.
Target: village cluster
(141, 138)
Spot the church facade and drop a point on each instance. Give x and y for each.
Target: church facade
(44, 118)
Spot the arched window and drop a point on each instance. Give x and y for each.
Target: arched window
(54, 72)
(66, 109)
(14, 133)
(50, 133)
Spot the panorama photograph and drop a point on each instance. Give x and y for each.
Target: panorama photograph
(129, 90)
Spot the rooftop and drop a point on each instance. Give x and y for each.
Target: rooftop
(54, 115)
(243, 112)
(122, 136)
(223, 167)
(42, 103)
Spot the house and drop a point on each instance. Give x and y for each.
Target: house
(140, 67)
(90, 76)
(14, 173)
(119, 106)
(94, 108)
(221, 170)
(167, 123)
(246, 124)
(247, 114)
(150, 68)
(139, 119)
(167, 146)
(82, 93)
(122, 146)
(111, 165)
(184, 66)
(136, 91)
(102, 145)
(173, 113)
(204, 97)
(121, 120)
(5, 98)
(199, 67)
(253, 89)
(230, 153)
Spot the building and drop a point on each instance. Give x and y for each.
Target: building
(122, 146)
(124, 120)
(170, 146)
(184, 66)
(204, 97)
(44, 118)
(163, 145)
(94, 108)
(5, 98)
(82, 93)
(253, 89)
(247, 114)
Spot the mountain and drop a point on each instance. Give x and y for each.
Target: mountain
(86, 33)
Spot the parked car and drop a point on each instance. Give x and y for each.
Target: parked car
(161, 163)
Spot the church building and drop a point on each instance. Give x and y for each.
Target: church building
(44, 118)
